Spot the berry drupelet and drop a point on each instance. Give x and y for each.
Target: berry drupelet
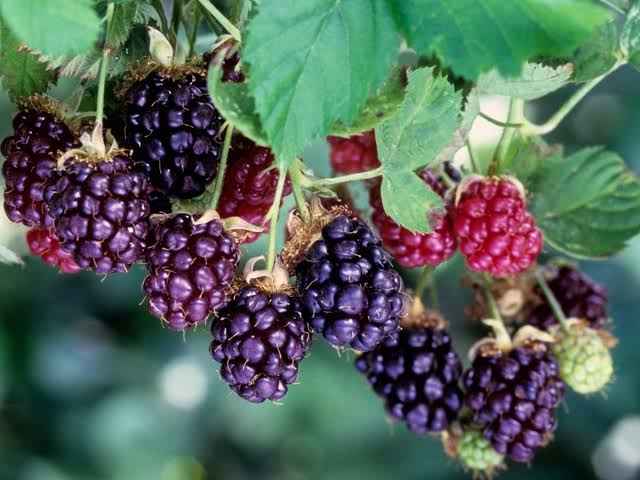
(101, 212)
(354, 154)
(416, 372)
(413, 249)
(495, 231)
(260, 338)
(31, 156)
(190, 268)
(513, 396)
(351, 293)
(43, 243)
(173, 129)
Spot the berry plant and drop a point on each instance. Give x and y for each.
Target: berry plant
(187, 129)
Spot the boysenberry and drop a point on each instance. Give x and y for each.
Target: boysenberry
(495, 231)
(351, 292)
(190, 267)
(173, 129)
(355, 154)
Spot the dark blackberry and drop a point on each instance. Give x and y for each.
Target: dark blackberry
(189, 269)
(260, 338)
(101, 213)
(578, 295)
(416, 372)
(31, 156)
(159, 202)
(173, 129)
(250, 185)
(513, 397)
(351, 292)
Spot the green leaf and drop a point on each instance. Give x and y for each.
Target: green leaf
(630, 36)
(422, 127)
(535, 81)
(21, 72)
(125, 15)
(598, 54)
(236, 105)
(53, 27)
(9, 257)
(382, 105)
(588, 204)
(407, 199)
(474, 36)
(315, 62)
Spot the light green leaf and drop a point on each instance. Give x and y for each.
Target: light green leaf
(422, 127)
(382, 105)
(535, 81)
(475, 36)
(315, 62)
(630, 36)
(53, 27)
(408, 200)
(236, 105)
(21, 72)
(9, 257)
(598, 54)
(588, 204)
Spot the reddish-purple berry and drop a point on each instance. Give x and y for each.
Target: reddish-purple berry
(416, 372)
(350, 290)
(413, 249)
(31, 157)
(43, 243)
(260, 338)
(495, 231)
(354, 154)
(578, 295)
(101, 213)
(190, 268)
(173, 129)
(513, 397)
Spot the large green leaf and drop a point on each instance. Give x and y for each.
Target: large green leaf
(315, 62)
(535, 81)
(53, 27)
(21, 72)
(474, 36)
(588, 204)
(630, 36)
(598, 54)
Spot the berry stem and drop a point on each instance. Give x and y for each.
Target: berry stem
(222, 167)
(297, 176)
(472, 158)
(326, 182)
(424, 280)
(551, 299)
(515, 116)
(193, 36)
(220, 18)
(104, 66)
(273, 217)
(614, 7)
(491, 301)
(176, 16)
(490, 119)
(552, 123)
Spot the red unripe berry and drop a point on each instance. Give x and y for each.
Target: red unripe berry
(354, 154)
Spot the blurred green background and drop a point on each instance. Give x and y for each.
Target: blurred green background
(91, 387)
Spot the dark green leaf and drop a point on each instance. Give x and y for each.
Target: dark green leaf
(21, 72)
(315, 62)
(53, 27)
(535, 81)
(407, 199)
(422, 127)
(630, 36)
(598, 55)
(588, 204)
(236, 105)
(474, 36)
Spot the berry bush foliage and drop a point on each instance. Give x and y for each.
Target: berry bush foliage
(187, 129)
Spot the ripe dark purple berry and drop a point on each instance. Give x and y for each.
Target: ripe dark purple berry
(101, 212)
(173, 129)
(260, 338)
(416, 372)
(513, 397)
(350, 290)
(31, 155)
(190, 267)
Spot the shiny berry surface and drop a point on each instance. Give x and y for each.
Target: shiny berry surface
(101, 212)
(43, 243)
(513, 396)
(354, 154)
(260, 339)
(31, 157)
(189, 269)
(416, 372)
(173, 129)
(495, 232)
(350, 291)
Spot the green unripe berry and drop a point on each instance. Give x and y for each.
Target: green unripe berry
(477, 454)
(585, 361)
